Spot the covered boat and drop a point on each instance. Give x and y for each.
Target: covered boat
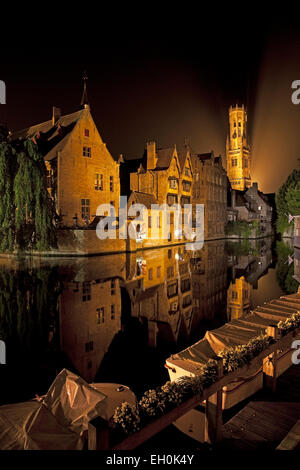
(236, 332)
(59, 420)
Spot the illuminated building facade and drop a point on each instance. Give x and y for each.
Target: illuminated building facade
(238, 149)
(210, 189)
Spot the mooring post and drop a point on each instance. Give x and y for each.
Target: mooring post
(213, 411)
(270, 362)
(98, 434)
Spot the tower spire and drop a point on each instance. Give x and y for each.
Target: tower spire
(84, 100)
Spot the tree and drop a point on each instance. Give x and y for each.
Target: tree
(27, 212)
(288, 200)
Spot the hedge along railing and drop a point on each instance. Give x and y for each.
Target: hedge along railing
(102, 436)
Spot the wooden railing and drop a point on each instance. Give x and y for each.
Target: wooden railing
(99, 432)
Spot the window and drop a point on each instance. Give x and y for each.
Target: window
(149, 221)
(89, 346)
(100, 315)
(86, 291)
(150, 274)
(158, 271)
(186, 186)
(234, 162)
(234, 295)
(173, 183)
(185, 285)
(99, 182)
(170, 272)
(113, 287)
(172, 289)
(184, 200)
(187, 171)
(86, 133)
(112, 311)
(85, 209)
(111, 183)
(169, 254)
(87, 152)
(187, 300)
(172, 199)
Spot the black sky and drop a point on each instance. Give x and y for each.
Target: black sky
(167, 81)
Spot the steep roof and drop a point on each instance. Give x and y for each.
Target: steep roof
(164, 158)
(50, 138)
(142, 198)
(182, 155)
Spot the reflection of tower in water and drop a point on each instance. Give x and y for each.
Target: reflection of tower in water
(238, 298)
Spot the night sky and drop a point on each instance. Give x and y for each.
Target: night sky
(169, 81)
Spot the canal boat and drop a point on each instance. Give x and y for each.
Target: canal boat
(59, 420)
(190, 361)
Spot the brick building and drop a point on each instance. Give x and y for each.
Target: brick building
(81, 172)
(210, 189)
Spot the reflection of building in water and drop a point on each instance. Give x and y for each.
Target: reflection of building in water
(238, 298)
(165, 300)
(90, 317)
(209, 278)
(246, 269)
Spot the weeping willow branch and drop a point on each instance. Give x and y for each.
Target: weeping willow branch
(27, 212)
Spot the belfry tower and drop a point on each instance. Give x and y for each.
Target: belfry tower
(238, 150)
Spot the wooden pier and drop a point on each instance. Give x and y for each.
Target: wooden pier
(268, 419)
(217, 434)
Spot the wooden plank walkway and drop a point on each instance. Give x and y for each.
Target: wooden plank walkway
(264, 422)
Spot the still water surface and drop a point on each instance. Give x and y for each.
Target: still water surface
(117, 318)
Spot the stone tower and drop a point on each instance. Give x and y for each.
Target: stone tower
(237, 149)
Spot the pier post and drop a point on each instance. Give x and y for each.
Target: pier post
(213, 412)
(98, 434)
(270, 362)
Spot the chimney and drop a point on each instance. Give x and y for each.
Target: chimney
(56, 114)
(151, 155)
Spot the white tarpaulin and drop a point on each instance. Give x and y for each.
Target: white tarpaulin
(60, 419)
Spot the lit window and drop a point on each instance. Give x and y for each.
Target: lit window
(173, 183)
(112, 312)
(99, 182)
(85, 209)
(86, 291)
(100, 315)
(87, 152)
(186, 186)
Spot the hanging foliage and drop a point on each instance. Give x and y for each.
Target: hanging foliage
(27, 211)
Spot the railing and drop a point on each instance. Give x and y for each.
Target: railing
(101, 438)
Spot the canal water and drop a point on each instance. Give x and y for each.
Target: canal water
(116, 318)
